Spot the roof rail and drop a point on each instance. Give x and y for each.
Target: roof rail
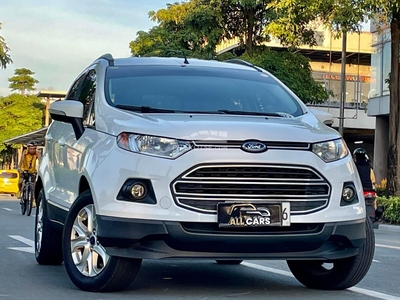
(109, 58)
(243, 63)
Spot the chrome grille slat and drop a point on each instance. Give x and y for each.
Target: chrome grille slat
(209, 205)
(237, 144)
(253, 172)
(202, 187)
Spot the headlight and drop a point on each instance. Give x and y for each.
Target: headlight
(153, 145)
(331, 151)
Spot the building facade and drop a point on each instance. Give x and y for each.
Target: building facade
(379, 102)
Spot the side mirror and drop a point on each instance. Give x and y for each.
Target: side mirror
(69, 111)
(323, 116)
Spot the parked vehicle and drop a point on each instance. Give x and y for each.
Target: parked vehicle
(156, 158)
(9, 182)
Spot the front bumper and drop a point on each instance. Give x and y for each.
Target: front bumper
(145, 239)
(162, 173)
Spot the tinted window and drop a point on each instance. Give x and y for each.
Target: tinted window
(198, 89)
(87, 95)
(8, 175)
(73, 92)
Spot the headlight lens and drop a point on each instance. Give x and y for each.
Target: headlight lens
(331, 150)
(153, 145)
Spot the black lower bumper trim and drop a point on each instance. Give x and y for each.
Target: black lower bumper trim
(156, 239)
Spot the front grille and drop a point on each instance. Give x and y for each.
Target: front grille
(253, 173)
(203, 187)
(250, 189)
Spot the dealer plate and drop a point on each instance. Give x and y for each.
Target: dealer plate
(233, 214)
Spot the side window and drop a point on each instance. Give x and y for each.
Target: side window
(87, 96)
(73, 92)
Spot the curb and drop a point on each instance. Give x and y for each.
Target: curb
(391, 228)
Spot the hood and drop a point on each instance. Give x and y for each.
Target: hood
(196, 127)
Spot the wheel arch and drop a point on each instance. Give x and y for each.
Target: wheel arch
(83, 185)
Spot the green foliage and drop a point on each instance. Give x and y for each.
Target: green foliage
(246, 19)
(380, 188)
(5, 57)
(190, 28)
(391, 207)
(297, 20)
(293, 69)
(19, 115)
(22, 80)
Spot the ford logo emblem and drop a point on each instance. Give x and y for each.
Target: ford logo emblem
(254, 147)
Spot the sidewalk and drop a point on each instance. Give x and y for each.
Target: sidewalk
(388, 227)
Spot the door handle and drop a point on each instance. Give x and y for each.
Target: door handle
(61, 142)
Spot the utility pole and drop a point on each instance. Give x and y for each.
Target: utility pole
(343, 83)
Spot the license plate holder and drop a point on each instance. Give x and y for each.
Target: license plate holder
(250, 214)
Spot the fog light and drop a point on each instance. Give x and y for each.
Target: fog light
(138, 191)
(348, 194)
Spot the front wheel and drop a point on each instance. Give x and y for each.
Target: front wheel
(29, 200)
(337, 274)
(22, 202)
(86, 261)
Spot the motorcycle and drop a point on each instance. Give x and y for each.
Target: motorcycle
(370, 198)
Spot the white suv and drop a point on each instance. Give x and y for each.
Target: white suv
(154, 158)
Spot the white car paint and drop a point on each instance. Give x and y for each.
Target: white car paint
(96, 156)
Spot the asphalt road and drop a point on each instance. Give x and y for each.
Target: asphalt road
(22, 278)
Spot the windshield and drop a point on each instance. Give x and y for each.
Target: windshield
(198, 89)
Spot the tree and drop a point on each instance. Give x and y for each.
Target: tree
(387, 12)
(5, 57)
(293, 69)
(189, 28)
(22, 80)
(246, 19)
(297, 20)
(19, 115)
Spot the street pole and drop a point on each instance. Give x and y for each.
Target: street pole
(46, 120)
(343, 83)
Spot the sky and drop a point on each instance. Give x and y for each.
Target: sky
(57, 39)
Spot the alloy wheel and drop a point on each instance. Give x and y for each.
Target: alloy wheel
(88, 255)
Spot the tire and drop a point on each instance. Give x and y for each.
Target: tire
(23, 202)
(48, 250)
(87, 263)
(229, 262)
(345, 272)
(29, 202)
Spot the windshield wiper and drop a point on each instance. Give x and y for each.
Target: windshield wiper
(148, 109)
(144, 109)
(251, 113)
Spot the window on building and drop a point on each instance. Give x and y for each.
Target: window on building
(376, 72)
(386, 56)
